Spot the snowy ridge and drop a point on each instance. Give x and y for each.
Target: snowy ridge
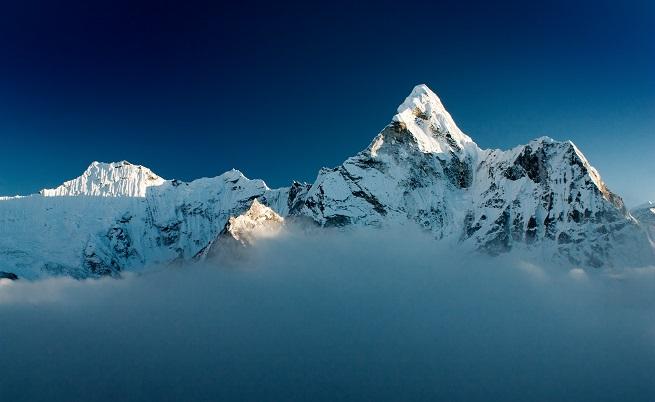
(88, 236)
(645, 215)
(543, 198)
(118, 179)
(259, 221)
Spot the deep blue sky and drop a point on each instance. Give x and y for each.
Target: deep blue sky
(195, 89)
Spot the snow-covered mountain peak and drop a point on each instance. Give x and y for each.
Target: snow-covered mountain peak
(426, 118)
(232, 175)
(568, 154)
(544, 139)
(258, 221)
(115, 179)
(542, 198)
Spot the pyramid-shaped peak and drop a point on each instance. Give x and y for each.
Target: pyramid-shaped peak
(425, 100)
(258, 221)
(259, 212)
(423, 94)
(425, 117)
(257, 208)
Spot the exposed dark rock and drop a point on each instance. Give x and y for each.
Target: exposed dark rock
(8, 275)
(575, 216)
(514, 172)
(458, 172)
(398, 126)
(517, 228)
(500, 242)
(295, 200)
(377, 205)
(191, 209)
(469, 227)
(121, 243)
(169, 234)
(94, 264)
(336, 221)
(550, 227)
(367, 162)
(419, 114)
(533, 163)
(563, 238)
(531, 231)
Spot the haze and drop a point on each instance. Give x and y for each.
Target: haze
(338, 315)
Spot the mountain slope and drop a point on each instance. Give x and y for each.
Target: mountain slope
(543, 198)
(95, 235)
(645, 215)
(422, 168)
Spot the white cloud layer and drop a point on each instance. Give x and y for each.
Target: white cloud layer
(309, 316)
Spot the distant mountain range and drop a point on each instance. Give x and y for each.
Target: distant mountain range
(543, 199)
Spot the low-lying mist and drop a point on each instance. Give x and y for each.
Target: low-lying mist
(384, 315)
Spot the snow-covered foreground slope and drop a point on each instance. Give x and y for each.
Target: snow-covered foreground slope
(543, 198)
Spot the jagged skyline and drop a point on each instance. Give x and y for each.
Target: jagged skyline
(543, 199)
(166, 86)
(441, 200)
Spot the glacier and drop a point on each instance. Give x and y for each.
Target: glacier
(542, 199)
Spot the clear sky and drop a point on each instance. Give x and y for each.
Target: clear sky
(193, 89)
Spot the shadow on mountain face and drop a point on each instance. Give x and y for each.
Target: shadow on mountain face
(334, 316)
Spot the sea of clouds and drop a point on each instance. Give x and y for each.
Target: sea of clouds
(370, 315)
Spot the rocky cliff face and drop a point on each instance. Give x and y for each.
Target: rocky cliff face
(543, 198)
(421, 168)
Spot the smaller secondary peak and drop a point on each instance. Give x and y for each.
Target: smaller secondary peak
(259, 221)
(244, 230)
(425, 117)
(647, 206)
(258, 211)
(114, 179)
(233, 174)
(545, 139)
